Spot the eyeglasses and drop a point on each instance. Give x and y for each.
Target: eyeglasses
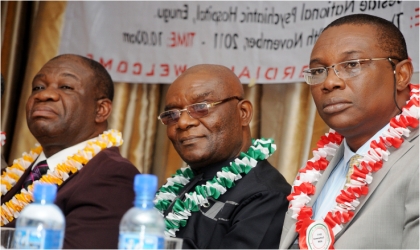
(196, 110)
(343, 70)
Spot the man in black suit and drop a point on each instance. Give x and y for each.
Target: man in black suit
(234, 198)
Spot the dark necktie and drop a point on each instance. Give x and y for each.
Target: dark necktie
(36, 173)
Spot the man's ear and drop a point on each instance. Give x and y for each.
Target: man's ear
(245, 112)
(103, 110)
(403, 71)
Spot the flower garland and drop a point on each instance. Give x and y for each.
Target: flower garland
(12, 208)
(348, 199)
(261, 149)
(3, 138)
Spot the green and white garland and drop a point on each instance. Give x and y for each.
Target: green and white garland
(261, 149)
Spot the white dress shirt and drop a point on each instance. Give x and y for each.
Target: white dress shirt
(60, 156)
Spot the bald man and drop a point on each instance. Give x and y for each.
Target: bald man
(229, 196)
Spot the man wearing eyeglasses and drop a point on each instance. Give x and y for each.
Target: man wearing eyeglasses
(231, 197)
(367, 196)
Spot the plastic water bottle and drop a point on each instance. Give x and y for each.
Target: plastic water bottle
(142, 227)
(41, 224)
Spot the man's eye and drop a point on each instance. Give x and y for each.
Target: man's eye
(36, 88)
(351, 65)
(318, 71)
(65, 87)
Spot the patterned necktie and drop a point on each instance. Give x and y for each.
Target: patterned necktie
(36, 173)
(354, 161)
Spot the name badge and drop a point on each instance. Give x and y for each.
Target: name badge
(318, 236)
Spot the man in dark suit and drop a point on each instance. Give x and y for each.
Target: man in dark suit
(231, 196)
(67, 113)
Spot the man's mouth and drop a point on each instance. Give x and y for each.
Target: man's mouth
(187, 140)
(335, 104)
(43, 112)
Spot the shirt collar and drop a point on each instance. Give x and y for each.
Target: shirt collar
(60, 156)
(348, 153)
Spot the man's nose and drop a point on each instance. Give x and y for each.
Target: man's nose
(47, 94)
(332, 81)
(186, 121)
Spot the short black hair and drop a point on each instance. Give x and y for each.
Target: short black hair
(102, 79)
(390, 38)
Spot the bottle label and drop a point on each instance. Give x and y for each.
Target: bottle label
(140, 241)
(31, 238)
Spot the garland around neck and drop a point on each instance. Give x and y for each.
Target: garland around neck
(348, 199)
(3, 138)
(261, 149)
(11, 209)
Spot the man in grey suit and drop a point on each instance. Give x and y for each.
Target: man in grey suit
(359, 75)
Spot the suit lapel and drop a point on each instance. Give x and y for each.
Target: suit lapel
(70, 177)
(17, 187)
(320, 184)
(289, 222)
(395, 155)
(289, 231)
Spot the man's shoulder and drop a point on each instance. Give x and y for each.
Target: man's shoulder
(414, 135)
(111, 158)
(408, 153)
(111, 154)
(267, 178)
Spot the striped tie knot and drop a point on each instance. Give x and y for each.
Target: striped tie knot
(36, 173)
(354, 161)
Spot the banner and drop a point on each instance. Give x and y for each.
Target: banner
(262, 42)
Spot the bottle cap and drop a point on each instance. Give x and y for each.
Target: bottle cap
(145, 184)
(43, 191)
